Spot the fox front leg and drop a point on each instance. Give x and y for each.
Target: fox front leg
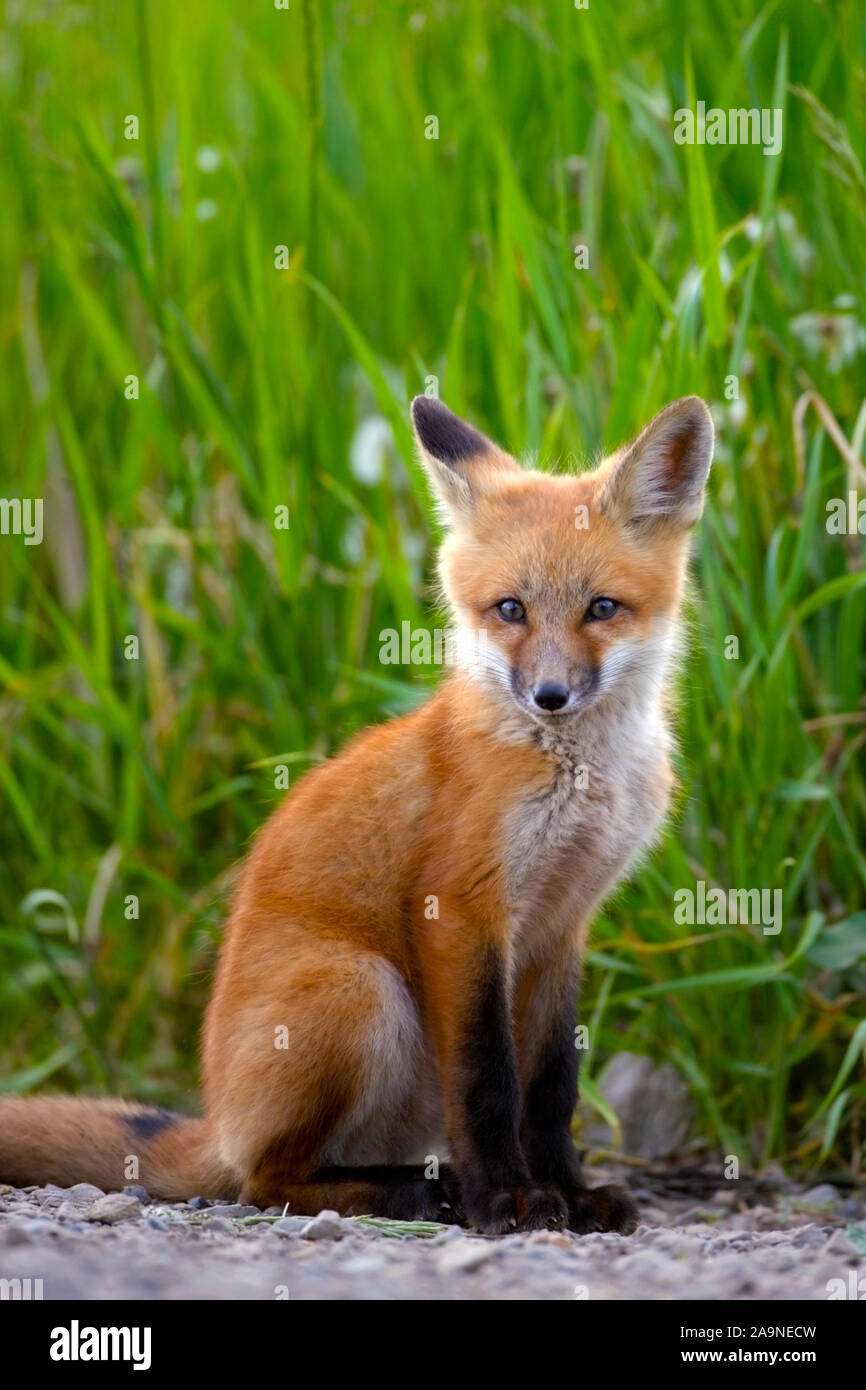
(482, 1091)
(550, 1099)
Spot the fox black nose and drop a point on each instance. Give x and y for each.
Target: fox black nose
(550, 696)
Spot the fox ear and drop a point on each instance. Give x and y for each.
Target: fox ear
(660, 476)
(461, 462)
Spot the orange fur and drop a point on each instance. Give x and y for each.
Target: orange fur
(432, 849)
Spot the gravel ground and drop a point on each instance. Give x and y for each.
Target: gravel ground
(84, 1245)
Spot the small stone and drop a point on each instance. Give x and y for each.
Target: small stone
(221, 1226)
(158, 1223)
(810, 1237)
(84, 1193)
(134, 1190)
(326, 1226)
(839, 1244)
(48, 1199)
(116, 1207)
(462, 1258)
(290, 1225)
(824, 1195)
(198, 1203)
(232, 1211)
(653, 1103)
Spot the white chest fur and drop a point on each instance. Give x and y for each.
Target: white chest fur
(570, 842)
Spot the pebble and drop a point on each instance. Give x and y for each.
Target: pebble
(326, 1226)
(220, 1226)
(68, 1211)
(84, 1193)
(51, 1197)
(810, 1237)
(290, 1225)
(230, 1212)
(116, 1207)
(461, 1257)
(839, 1244)
(134, 1190)
(824, 1195)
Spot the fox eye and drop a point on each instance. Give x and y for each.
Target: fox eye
(511, 610)
(602, 608)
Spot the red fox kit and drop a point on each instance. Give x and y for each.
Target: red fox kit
(411, 919)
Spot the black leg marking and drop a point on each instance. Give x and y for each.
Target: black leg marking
(551, 1097)
(491, 1086)
(550, 1100)
(495, 1181)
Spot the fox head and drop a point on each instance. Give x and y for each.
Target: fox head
(575, 581)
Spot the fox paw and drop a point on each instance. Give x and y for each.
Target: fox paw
(502, 1212)
(424, 1200)
(601, 1209)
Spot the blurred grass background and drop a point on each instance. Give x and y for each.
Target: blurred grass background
(262, 387)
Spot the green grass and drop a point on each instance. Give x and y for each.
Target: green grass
(411, 257)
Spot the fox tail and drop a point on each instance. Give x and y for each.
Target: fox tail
(110, 1143)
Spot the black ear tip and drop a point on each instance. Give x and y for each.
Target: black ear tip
(425, 407)
(442, 433)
